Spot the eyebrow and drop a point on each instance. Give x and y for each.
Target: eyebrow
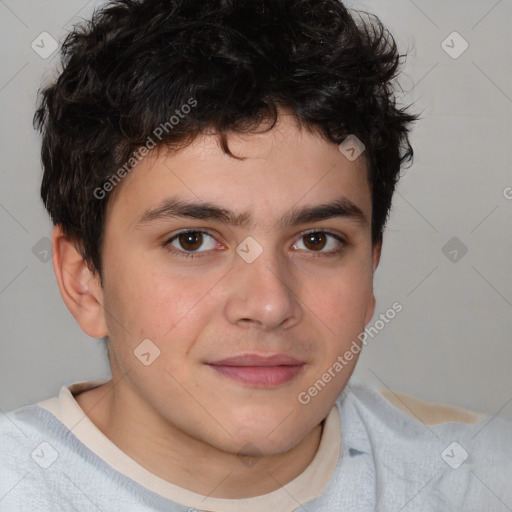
(172, 208)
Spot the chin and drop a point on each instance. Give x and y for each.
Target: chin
(265, 438)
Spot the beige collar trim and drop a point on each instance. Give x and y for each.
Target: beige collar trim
(305, 487)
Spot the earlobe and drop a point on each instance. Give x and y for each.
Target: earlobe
(376, 252)
(370, 309)
(377, 249)
(79, 287)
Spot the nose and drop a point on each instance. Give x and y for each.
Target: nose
(261, 294)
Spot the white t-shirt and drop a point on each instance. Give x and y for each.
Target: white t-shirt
(371, 457)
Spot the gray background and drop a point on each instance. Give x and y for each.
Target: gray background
(451, 342)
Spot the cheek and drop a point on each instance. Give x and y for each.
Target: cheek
(338, 309)
(144, 300)
(341, 301)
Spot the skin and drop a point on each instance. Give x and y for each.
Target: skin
(177, 417)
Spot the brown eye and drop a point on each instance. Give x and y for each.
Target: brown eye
(315, 241)
(188, 242)
(322, 242)
(191, 241)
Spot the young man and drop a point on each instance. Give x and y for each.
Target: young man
(219, 174)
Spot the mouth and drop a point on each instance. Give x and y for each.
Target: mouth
(259, 371)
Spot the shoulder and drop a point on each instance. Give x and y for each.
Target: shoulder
(409, 444)
(391, 406)
(399, 424)
(24, 454)
(429, 413)
(15, 431)
(42, 463)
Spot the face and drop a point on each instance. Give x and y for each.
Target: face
(249, 296)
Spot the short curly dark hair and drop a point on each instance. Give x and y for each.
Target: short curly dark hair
(136, 63)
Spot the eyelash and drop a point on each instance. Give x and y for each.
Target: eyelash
(185, 254)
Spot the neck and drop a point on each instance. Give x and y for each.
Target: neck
(171, 454)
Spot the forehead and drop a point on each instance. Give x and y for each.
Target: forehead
(276, 170)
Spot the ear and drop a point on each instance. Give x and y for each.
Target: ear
(80, 288)
(376, 252)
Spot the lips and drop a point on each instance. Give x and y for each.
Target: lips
(257, 360)
(259, 371)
